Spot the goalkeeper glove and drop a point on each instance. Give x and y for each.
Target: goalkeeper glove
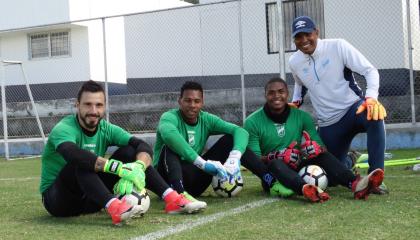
(310, 148)
(295, 104)
(133, 172)
(289, 155)
(233, 163)
(214, 168)
(123, 187)
(375, 110)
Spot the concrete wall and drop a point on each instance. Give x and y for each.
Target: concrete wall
(137, 111)
(398, 137)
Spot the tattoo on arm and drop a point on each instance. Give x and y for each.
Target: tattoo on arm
(100, 164)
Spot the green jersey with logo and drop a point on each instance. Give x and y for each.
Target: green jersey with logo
(188, 141)
(69, 130)
(266, 136)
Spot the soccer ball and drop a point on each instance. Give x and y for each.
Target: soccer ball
(315, 175)
(227, 188)
(139, 200)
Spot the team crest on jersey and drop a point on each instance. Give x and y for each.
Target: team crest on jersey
(191, 138)
(280, 127)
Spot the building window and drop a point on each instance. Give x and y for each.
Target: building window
(49, 45)
(291, 9)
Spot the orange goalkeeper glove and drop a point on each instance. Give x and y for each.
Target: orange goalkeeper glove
(295, 104)
(375, 110)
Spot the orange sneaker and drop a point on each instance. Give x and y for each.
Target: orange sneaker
(121, 211)
(363, 186)
(178, 203)
(314, 193)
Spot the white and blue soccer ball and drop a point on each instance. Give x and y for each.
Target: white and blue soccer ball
(315, 175)
(227, 188)
(140, 200)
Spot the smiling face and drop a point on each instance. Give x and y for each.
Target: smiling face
(306, 42)
(276, 94)
(90, 109)
(190, 104)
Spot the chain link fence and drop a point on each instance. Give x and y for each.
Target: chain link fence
(230, 47)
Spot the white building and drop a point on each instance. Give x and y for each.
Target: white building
(202, 42)
(73, 50)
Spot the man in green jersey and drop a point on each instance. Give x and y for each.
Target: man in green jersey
(274, 133)
(77, 179)
(181, 138)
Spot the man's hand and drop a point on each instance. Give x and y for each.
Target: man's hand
(310, 148)
(289, 155)
(233, 163)
(295, 104)
(375, 110)
(215, 168)
(133, 172)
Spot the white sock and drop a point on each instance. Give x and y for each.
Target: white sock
(166, 192)
(109, 202)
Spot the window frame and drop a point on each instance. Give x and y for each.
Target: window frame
(49, 44)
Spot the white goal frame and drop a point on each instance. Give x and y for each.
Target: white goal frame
(5, 63)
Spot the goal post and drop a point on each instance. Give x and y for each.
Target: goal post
(4, 64)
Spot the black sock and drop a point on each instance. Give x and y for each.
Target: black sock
(268, 179)
(178, 186)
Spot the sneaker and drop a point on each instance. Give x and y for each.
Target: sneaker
(314, 193)
(192, 199)
(121, 211)
(363, 186)
(177, 203)
(279, 190)
(381, 189)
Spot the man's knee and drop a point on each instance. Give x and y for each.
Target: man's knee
(125, 154)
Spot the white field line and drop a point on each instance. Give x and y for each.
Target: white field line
(190, 224)
(19, 179)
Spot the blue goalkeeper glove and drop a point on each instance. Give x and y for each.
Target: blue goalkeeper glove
(214, 168)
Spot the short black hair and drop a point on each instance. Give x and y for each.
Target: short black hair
(273, 80)
(90, 86)
(191, 85)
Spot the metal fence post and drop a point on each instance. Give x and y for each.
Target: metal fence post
(410, 62)
(105, 70)
(280, 37)
(241, 61)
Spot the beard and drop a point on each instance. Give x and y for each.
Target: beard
(91, 124)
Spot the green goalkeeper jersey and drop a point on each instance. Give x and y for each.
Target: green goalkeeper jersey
(266, 136)
(69, 130)
(188, 141)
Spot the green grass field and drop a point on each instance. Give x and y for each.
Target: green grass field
(393, 216)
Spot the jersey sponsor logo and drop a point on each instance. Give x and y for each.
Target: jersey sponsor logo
(191, 138)
(90, 147)
(280, 127)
